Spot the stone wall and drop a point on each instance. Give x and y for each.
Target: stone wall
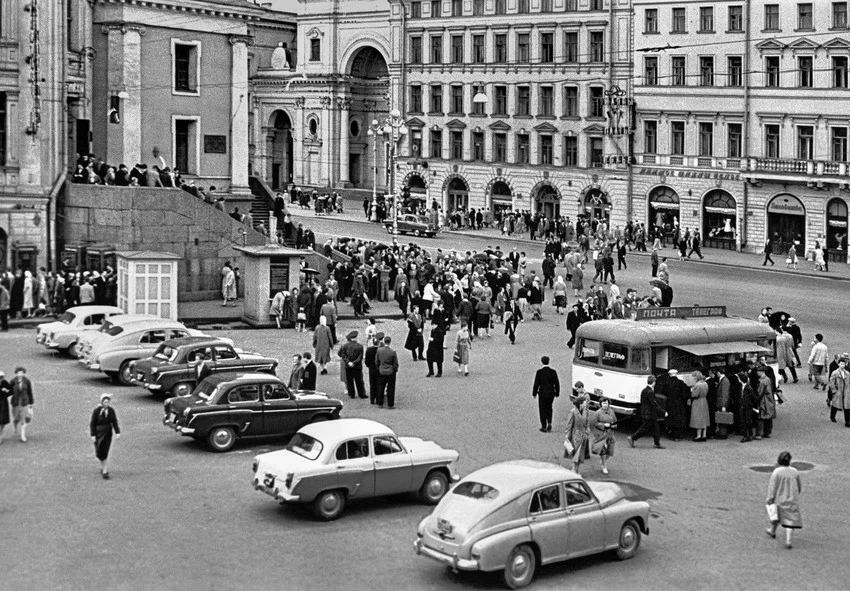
(163, 220)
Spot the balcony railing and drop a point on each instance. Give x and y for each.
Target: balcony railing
(777, 165)
(806, 167)
(704, 162)
(677, 160)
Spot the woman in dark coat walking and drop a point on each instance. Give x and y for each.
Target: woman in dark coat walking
(434, 353)
(103, 423)
(678, 395)
(5, 394)
(747, 409)
(415, 342)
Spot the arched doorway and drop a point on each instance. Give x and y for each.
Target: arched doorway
(786, 222)
(501, 199)
(418, 191)
(547, 200)
(836, 229)
(596, 205)
(4, 239)
(279, 151)
(368, 80)
(457, 194)
(663, 210)
(719, 220)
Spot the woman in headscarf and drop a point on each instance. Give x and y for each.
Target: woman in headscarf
(783, 492)
(577, 434)
(462, 349)
(414, 342)
(602, 430)
(559, 293)
(700, 418)
(30, 292)
(323, 344)
(103, 423)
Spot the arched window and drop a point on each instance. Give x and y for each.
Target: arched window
(719, 220)
(836, 227)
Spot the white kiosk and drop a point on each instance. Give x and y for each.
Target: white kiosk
(147, 282)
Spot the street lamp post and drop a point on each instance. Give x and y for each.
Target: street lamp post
(393, 130)
(374, 130)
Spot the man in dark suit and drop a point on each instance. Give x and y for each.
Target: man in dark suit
(649, 412)
(386, 360)
(369, 360)
(546, 389)
(351, 354)
(308, 378)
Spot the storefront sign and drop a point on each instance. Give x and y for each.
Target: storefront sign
(787, 205)
(278, 276)
(616, 104)
(620, 159)
(692, 312)
(692, 174)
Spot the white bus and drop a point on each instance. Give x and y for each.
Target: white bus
(613, 358)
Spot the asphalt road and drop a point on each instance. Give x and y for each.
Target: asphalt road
(177, 516)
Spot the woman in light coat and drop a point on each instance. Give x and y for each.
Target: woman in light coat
(602, 429)
(463, 347)
(784, 490)
(277, 305)
(559, 294)
(577, 280)
(323, 344)
(839, 392)
(700, 419)
(578, 434)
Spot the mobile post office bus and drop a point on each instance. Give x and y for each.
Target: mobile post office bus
(613, 358)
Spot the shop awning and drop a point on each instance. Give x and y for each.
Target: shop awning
(664, 205)
(706, 349)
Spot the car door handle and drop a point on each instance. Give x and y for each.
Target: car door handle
(532, 519)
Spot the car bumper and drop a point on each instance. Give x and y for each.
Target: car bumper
(151, 387)
(448, 559)
(39, 339)
(278, 495)
(94, 366)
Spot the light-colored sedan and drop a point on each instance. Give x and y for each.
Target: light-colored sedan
(518, 515)
(63, 334)
(331, 463)
(87, 339)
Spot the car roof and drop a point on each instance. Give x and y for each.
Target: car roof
(149, 323)
(344, 429)
(89, 310)
(184, 341)
(237, 377)
(519, 475)
(124, 319)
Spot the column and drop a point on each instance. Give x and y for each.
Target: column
(239, 115)
(124, 76)
(298, 140)
(325, 163)
(344, 113)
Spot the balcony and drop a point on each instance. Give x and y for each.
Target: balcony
(779, 169)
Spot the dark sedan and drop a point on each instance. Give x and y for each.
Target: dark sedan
(418, 225)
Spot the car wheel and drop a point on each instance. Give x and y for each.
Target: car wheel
(434, 488)
(181, 389)
(73, 350)
(221, 439)
(520, 567)
(629, 540)
(125, 374)
(329, 505)
(416, 233)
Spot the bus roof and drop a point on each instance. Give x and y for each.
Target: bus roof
(676, 331)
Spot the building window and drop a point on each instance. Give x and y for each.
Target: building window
(500, 147)
(2, 129)
(436, 49)
(771, 71)
(597, 46)
(650, 137)
(457, 7)
(571, 101)
(457, 145)
(501, 56)
(771, 141)
(523, 6)
(733, 149)
(457, 100)
(571, 5)
(839, 144)
(315, 50)
(416, 50)
(477, 7)
(501, 6)
(650, 71)
(805, 65)
(571, 48)
(706, 71)
(478, 145)
(457, 49)
(706, 139)
(523, 46)
(416, 98)
(804, 17)
(596, 4)
(478, 55)
(570, 150)
(839, 15)
(547, 101)
(677, 138)
(436, 99)
(547, 48)
(679, 23)
(436, 8)
(546, 6)
(546, 146)
(416, 10)
(679, 75)
(436, 143)
(735, 66)
(522, 151)
(523, 101)
(477, 108)
(597, 102)
(706, 19)
(185, 67)
(736, 19)
(596, 155)
(839, 72)
(500, 97)
(416, 142)
(771, 17)
(650, 20)
(805, 142)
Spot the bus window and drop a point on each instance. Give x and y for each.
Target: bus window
(614, 355)
(588, 351)
(640, 360)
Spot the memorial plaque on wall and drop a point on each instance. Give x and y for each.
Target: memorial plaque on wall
(278, 276)
(215, 144)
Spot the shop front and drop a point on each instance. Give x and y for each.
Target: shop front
(457, 194)
(501, 199)
(547, 200)
(836, 230)
(595, 204)
(719, 220)
(663, 210)
(786, 223)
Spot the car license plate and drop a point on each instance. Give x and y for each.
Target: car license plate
(597, 392)
(268, 481)
(444, 527)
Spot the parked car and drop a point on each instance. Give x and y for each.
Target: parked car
(84, 343)
(330, 464)
(179, 363)
(124, 344)
(418, 225)
(228, 406)
(518, 515)
(63, 333)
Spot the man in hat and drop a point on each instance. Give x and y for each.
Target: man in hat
(369, 359)
(22, 402)
(103, 423)
(351, 354)
(386, 361)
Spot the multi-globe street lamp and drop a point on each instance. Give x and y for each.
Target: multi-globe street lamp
(392, 129)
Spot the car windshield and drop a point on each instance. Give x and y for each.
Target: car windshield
(67, 318)
(305, 446)
(476, 490)
(115, 331)
(207, 392)
(167, 353)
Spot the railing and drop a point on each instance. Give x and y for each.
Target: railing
(649, 158)
(777, 165)
(705, 162)
(733, 163)
(677, 160)
(832, 168)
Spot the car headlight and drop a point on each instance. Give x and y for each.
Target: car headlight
(154, 370)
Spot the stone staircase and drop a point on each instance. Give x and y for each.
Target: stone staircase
(263, 203)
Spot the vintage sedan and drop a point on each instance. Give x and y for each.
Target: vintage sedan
(63, 333)
(330, 464)
(178, 364)
(85, 341)
(418, 225)
(228, 406)
(515, 516)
